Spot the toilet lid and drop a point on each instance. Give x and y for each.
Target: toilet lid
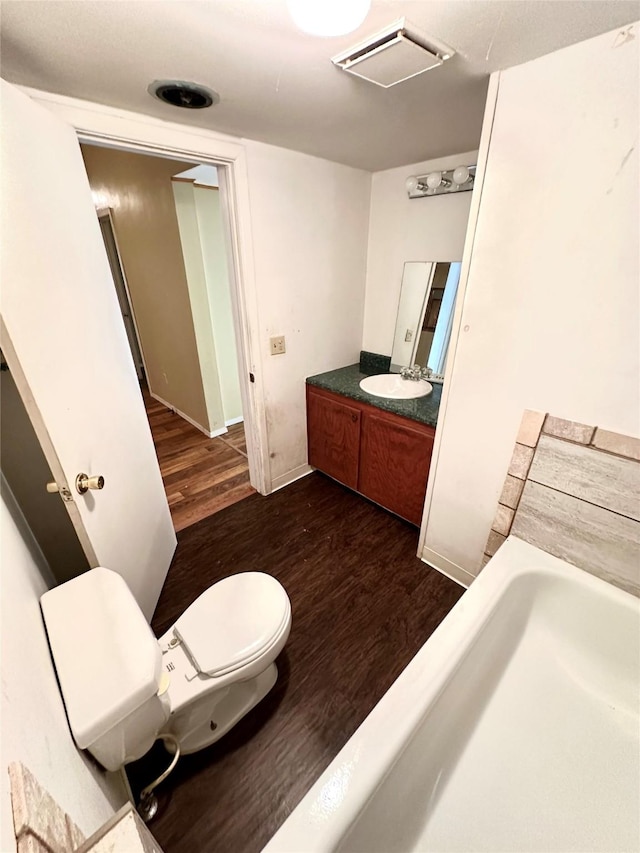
(233, 622)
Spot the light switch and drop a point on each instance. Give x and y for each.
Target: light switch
(277, 345)
(409, 336)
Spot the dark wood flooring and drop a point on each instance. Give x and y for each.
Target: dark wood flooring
(201, 475)
(363, 605)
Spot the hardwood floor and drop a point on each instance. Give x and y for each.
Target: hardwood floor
(363, 605)
(201, 475)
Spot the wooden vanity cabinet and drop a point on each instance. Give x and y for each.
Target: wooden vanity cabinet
(333, 435)
(383, 456)
(395, 457)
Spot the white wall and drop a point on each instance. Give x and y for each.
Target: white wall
(199, 298)
(309, 221)
(204, 175)
(550, 319)
(403, 229)
(210, 226)
(34, 725)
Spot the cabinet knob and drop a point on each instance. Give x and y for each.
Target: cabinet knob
(354, 418)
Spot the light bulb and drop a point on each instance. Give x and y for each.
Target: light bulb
(460, 175)
(434, 180)
(328, 17)
(411, 184)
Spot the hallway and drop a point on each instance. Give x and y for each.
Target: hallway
(201, 475)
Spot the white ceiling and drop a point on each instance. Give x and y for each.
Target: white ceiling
(277, 84)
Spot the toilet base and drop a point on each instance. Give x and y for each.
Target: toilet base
(199, 727)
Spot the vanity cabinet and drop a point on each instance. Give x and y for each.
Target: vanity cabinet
(382, 455)
(333, 434)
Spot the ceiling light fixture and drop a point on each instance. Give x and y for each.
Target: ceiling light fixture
(328, 17)
(460, 179)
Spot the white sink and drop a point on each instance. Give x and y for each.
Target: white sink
(394, 387)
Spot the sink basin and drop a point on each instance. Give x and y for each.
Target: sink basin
(393, 387)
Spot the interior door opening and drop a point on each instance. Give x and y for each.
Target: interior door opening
(120, 284)
(163, 228)
(26, 472)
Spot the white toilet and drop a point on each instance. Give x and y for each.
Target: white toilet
(123, 688)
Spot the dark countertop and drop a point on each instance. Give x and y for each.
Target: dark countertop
(346, 381)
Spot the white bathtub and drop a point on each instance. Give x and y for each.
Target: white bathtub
(515, 728)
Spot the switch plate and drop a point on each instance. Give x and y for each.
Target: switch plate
(277, 345)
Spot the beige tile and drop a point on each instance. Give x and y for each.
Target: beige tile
(569, 430)
(124, 831)
(598, 540)
(603, 479)
(503, 520)
(520, 461)
(485, 560)
(28, 843)
(511, 491)
(530, 427)
(35, 811)
(74, 834)
(494, 541)
(615, 442)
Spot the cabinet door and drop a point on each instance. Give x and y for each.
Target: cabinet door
(333, 431)
(394, 464)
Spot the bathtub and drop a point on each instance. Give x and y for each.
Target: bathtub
(515, 728)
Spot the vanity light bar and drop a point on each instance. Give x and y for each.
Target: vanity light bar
(460, 179)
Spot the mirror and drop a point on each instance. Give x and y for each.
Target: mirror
(425, 315)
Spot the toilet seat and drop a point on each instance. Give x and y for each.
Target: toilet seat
(234, 622)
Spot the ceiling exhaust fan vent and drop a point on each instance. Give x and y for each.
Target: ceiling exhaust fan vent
(394, 54)
(189, 96)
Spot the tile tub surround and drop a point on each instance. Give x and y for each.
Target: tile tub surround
(574, 491)
(346, 381)
(40, 824)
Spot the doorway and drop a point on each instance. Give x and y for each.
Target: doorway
(119, 281)
(162, 225)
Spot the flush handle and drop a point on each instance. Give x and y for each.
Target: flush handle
(84, 482)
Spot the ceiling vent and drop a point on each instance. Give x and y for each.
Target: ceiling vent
(178, 93)
(394, 54)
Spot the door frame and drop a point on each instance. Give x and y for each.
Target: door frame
(122, 289)
(425, 552)
(114, 128)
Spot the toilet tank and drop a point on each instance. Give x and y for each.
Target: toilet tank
(109, 666)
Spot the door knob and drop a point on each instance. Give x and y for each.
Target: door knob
(84, 482)
(53, 488)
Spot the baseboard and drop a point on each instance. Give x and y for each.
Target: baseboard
(234, 421)
(446, 567)
(290, 477)
(207, 432)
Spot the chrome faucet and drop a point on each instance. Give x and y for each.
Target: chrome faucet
(416, 372)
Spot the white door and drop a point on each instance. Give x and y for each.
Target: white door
(65, 342)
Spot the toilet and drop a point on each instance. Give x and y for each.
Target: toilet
(123, 688)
